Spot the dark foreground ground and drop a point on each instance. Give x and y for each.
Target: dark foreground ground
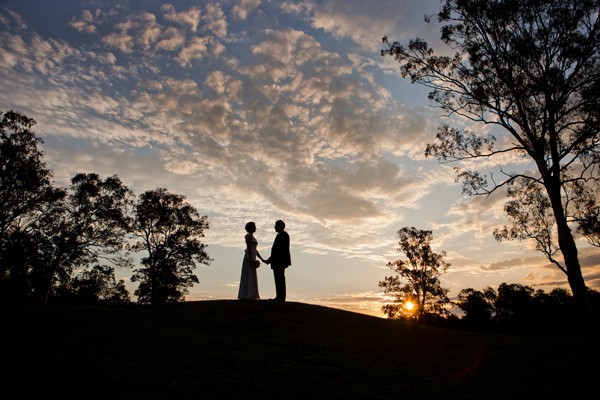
(265, 350)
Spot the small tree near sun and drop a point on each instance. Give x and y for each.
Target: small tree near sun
(417, 288)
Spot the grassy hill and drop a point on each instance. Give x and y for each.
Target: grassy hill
(265, 350)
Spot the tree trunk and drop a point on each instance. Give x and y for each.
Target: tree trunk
(574, 275)
(568, 248)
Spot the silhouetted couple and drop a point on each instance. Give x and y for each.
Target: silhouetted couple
(280, 259)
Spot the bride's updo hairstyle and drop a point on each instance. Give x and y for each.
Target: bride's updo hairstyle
(249, 226)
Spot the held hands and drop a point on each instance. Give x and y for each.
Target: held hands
(263, 260)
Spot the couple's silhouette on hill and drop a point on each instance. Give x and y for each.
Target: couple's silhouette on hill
(279, 260)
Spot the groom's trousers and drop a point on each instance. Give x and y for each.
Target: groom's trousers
(279, 275)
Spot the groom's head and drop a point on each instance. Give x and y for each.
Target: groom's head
(279, 225)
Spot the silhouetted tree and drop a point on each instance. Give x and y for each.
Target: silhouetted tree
(529, 68)
(89, 225)
(517, 308)
(417, 284)
(478, 306)
(168, 229)
(97, 285)
(514, 305)
(554, 309)
(26, 196)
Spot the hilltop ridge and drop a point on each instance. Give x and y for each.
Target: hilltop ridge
(228, 349)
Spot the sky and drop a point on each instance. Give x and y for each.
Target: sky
(259, 110)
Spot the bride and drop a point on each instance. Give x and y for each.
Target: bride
(249, 280)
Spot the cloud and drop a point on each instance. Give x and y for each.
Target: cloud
(171, 39)
(181, 167)
(14, 48)
(589, 257)
(366, 22)
(178, 31)
(505, 264)
(122, 41)
(196, 48)
(190, 18)
(150, 32)
(12, 19)
(216, 80)
(214, 21)
(86, 23)
(245, 7)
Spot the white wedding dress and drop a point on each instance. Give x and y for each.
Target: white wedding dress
(249, 280)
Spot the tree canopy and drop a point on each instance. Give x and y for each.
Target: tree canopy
(520, 308)
(416, 287)
(27, 197)
(88, 226)
(168, 230)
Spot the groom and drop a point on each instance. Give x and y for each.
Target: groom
(280, 259)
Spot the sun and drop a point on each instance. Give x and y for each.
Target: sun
(409, 305)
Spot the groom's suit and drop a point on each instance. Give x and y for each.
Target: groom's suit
(280, 259)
